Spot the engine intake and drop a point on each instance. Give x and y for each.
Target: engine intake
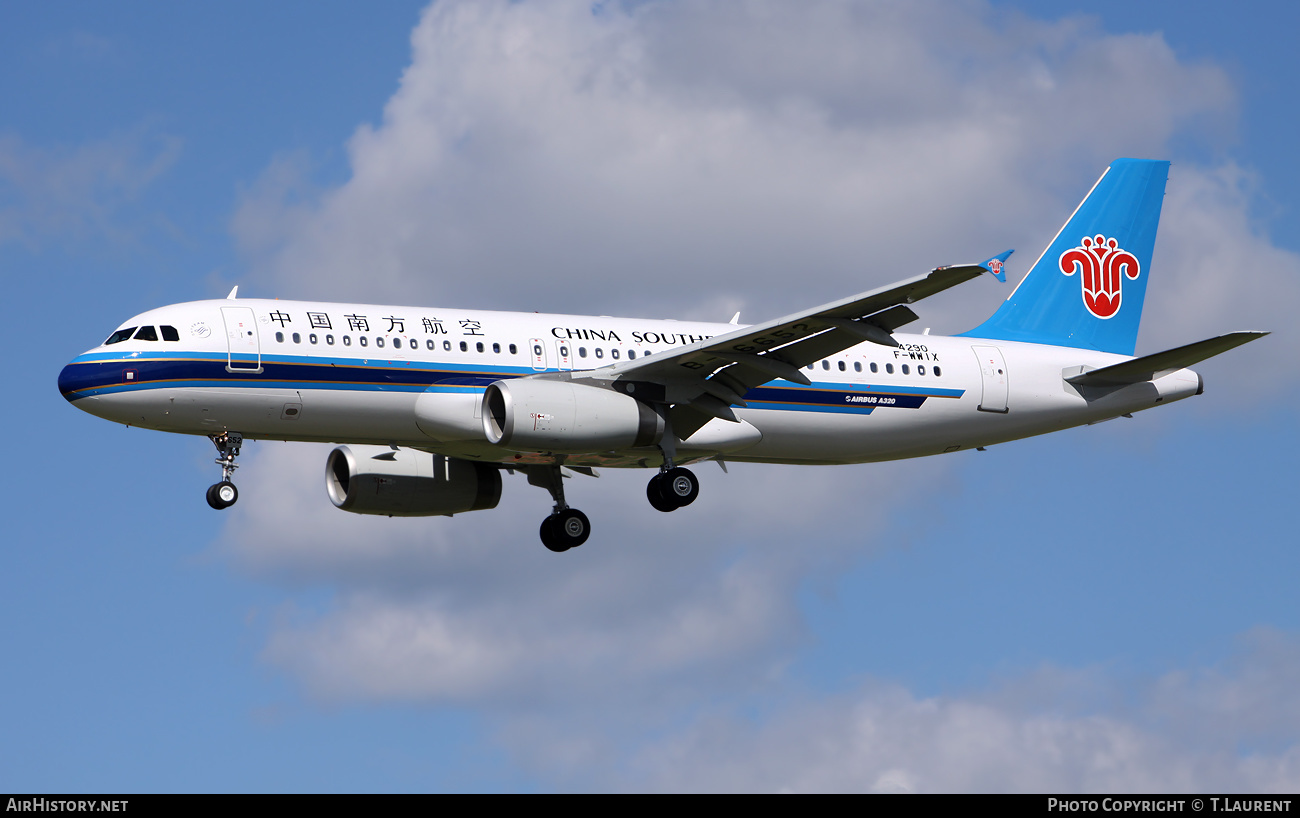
(533, 415)
(408, 483)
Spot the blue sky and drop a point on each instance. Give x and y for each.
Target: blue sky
(1108, 608)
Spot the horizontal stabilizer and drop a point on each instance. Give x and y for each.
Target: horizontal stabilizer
(1150, 367)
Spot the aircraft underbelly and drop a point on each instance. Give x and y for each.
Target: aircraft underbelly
(284, 414)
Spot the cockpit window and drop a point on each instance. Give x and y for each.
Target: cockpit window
(170, 333)
(120, 336)
(146, 334)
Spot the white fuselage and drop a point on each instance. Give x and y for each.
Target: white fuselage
(414, 377)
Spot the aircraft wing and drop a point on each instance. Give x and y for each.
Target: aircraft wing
(704, 380)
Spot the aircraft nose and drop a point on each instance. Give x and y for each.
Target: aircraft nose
(65, 381)
(69, 381)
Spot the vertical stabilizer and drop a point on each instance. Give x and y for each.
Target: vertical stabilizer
(1086, 289)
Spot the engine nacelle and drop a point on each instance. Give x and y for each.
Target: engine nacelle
(408, 483)
(533, 415)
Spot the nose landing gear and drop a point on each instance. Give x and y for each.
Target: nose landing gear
(224, 494)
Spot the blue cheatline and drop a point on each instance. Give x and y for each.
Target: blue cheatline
(1086, 289)
(95, 374)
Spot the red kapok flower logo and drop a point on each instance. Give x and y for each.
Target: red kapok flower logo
(1103, 266)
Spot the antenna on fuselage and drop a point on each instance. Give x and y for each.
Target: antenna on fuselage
(234, 291)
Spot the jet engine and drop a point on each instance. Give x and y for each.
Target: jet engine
(535, 415)
(408, 483)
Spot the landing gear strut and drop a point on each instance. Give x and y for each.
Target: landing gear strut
(566, 527)
(224, 494)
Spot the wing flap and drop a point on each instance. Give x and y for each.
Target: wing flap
(1150, 367)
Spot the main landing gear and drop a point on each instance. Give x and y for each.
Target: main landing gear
(566, 527)
(224, 494)
(669, 490)
(673, 487)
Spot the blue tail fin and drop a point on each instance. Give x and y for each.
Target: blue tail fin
(1086, 289)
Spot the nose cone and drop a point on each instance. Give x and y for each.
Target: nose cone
(76, 378)
(66, 381)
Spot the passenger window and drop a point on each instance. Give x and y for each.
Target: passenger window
(415, 344)
(874, 368)
(464, 347)
(497, 349)
(889, 368)
(937, 373)
(631, 354)
(479, 346)
(841, 366)
(279, 337)
(429, 344)
(329, 339)
(811, 366)
(146, 334)
(857, 366)
(582, 352)
(312, 337)
(600, 353)
(514, 350)
(905, 370)
(120, 336)
(379, 341)
(446, 346)
(297, 339)
(826, 364)
(613, 353)
(170, 333)
(347, 340)
(920, 370)
(363, 340)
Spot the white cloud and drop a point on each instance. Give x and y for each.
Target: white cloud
(1208, 730)
(1217, 272)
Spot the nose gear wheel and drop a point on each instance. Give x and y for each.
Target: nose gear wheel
(222, 495)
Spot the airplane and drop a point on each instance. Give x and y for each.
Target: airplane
(432, 405)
